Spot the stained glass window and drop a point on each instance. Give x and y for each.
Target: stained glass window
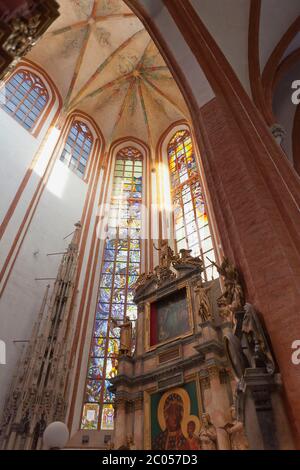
(190, 217)
(25, 97)
(77, 148)
(119, 271)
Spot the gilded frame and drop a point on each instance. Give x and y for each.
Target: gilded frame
(153, 299)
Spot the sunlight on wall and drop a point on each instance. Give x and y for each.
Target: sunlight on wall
(60, 173)
(155, 207)
(58, 180)
(46, 152)
(165, 202)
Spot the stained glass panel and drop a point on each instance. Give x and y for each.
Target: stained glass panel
(24, 96)
(96, 368)
(107, 421)
(93, 390)
(108, 396)
(100, 327)
(90, 416)
(117, 311)
(111, 368)
(98, 347)
(113, 347)
(120, 269)
(190, 217)
(77, 148)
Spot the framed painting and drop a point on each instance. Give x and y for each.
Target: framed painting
(174, 419)
(169, 318)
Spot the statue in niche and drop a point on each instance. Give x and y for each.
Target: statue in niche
(203, 303)
(125, 337)
(236, 432)
(258, 351)
(208, 434)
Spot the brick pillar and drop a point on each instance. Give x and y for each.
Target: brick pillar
(260, 231)
(296, 140)
(255, 195)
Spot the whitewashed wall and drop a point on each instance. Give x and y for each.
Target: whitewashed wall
(59, 207)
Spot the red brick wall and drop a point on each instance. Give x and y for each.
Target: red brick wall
(259, 230)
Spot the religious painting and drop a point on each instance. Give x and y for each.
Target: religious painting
(90, 416)
(107, 422)
(174, 416)
(169, 318)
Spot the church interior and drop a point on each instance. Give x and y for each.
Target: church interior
(149, 225)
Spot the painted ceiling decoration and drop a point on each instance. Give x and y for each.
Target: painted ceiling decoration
(104, 63)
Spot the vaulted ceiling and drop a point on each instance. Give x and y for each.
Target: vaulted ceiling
(104, 63)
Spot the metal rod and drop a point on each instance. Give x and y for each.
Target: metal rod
(21, 341)
(44, 278)
(59, 253)
(69, 234)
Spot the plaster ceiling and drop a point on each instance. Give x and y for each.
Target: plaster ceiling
(228, 22)
(275, 19)
(105, 64)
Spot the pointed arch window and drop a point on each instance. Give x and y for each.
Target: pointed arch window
(190, 217)
(77, 148)
(24, 96)
(119, 271)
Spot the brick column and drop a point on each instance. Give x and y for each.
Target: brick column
(255, 195)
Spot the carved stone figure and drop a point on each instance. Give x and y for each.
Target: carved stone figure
(142, 281)
(203, 303)
(236, 432)
(163, 274)
(226, 313)
(167, 259)
(233, 295)
(126, 338)
(166, 254)
(22, 37)
(258, 350)
(186, 259)
(208, 434)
